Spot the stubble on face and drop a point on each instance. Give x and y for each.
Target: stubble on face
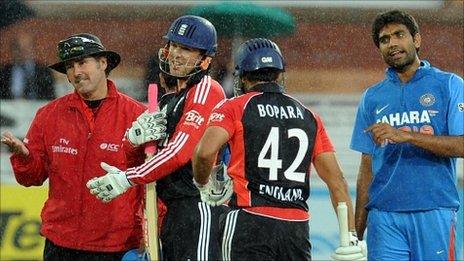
(88, 82)
(402, 53)
(184, 60)
(401, 63)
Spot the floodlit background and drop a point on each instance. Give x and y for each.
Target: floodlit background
(330, 60)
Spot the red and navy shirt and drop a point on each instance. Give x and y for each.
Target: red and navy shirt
(273, 139)
(187, 115)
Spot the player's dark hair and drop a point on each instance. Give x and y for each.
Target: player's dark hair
(170, 81)
(393, 17)
(262, 75)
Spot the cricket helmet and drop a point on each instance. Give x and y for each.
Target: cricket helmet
(256, 54)
(194, 32)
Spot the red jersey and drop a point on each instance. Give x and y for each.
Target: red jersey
(67, 142)
(188, 112)
(273, 139)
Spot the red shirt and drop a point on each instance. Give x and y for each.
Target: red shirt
(273, 140)
(199, 102)
(65, 150)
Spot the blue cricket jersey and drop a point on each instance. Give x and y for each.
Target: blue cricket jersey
(406, 177)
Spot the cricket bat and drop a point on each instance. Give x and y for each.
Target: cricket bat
(342, 214)
(151, 208)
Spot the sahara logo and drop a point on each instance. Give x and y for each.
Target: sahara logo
(407, 117)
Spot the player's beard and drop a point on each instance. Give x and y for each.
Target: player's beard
(403, 63)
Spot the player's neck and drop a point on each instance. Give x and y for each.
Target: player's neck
(408, 72)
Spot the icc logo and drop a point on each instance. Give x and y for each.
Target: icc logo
(109, 146)
(266, 59)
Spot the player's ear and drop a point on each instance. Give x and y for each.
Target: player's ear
(205, 63)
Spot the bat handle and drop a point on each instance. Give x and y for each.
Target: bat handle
(150, 149)
(342, 213)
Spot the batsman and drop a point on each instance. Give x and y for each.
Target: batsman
(189, 230)
(274, 140)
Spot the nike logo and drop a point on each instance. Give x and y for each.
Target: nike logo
(381, 109)
(439, 252)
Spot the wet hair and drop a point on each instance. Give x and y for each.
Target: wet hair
(170, 81)
(393, 17)
(262, 75)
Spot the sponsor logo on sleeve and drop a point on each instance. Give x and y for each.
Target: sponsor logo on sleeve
(216, 117)
(193, 118)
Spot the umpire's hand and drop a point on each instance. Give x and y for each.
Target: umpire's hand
(14, 144)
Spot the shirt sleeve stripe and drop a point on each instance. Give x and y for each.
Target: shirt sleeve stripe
(202, 90)
(197, 90)
(208, 86)
(164, 155)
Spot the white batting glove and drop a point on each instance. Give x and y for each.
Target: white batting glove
(216, 192)
(147, 127)
(357, 250)
(107, 187)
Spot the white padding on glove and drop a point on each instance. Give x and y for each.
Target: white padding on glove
(216, 192)
(109, 186)
(357, 250)
(147, 127)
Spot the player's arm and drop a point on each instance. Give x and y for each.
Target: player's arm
(206, 151)
(453, 144)
(445, 146)
(329, 171)
(362, 196)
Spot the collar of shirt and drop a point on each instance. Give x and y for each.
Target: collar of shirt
(424, 69)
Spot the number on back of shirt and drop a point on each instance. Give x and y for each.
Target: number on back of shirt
(274, 164)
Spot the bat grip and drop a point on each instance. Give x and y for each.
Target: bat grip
(150, 148)
(342, 213)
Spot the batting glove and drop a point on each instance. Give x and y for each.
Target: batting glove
(109, 186)
(148, 127)
(216, 192)
(357, 250)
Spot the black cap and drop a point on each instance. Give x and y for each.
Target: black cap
(79, 46)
